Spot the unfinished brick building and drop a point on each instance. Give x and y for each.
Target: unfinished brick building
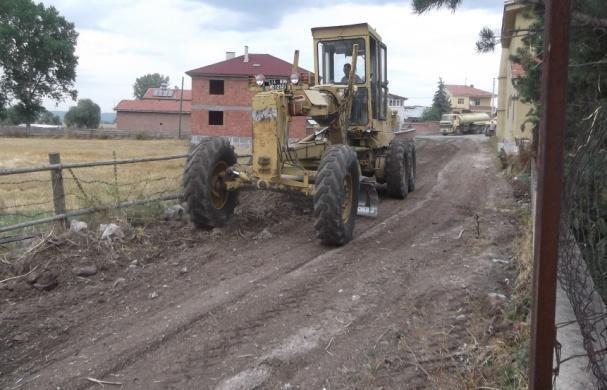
(221, 97)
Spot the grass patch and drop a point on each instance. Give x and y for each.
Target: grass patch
(87, 187)
(514, 348)
(27, 197)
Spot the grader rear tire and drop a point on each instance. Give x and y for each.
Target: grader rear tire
(397, 169)
(336, 195)
(210, 204)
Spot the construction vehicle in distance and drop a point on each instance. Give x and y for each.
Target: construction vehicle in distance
(466, 123)
(352, 148)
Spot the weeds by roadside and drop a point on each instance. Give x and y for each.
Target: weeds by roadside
(514, 364)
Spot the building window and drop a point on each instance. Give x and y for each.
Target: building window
(460, 101)
(216, 87)
(475, 102)
(216, 118)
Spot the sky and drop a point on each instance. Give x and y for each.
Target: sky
(120, 40)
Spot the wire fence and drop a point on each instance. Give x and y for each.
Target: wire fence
(583, 245)
(55, 192)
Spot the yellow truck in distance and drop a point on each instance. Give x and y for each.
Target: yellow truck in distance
(467, 123)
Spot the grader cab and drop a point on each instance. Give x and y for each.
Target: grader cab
(351, 150)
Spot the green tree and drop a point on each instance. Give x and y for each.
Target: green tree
(440, 103)
(421, 6)
(3, 108)
(86, 114)
(48, 118)
(12, 116)
(145, 82)
(37, 59)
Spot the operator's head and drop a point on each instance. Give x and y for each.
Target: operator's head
(347, 68)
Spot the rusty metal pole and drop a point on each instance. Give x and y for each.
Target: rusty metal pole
(550, 177)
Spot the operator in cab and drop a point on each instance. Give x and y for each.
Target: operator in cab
(347, 69)
(357, 102)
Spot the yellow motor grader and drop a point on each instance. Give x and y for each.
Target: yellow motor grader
(351, 148)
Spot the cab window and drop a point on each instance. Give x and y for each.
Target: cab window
(335, 59)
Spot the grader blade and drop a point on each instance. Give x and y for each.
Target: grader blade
(368, 200)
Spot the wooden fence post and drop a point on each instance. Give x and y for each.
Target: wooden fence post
(58, 191)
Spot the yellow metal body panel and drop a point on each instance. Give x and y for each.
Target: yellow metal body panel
(270, 122)
(316, 98)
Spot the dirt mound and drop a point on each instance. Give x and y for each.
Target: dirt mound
(60, 260)
(258, 210)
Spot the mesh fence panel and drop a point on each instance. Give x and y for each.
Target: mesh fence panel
(583, 246)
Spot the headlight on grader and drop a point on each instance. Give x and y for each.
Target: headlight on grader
(294, 78)
(260, 79)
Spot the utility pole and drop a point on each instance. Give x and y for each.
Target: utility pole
(180, 107)
(493, 110)
(550, 177)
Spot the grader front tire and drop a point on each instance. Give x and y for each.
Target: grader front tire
(336, 195)
(210, 204)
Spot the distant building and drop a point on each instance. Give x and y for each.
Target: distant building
(221, 96)
(511, 112)
(466, 98)
(397, 103)
(157, 113)
(413, 113)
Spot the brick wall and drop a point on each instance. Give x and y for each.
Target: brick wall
(423, 127)
(147, 122)
(236, 106)
(235, 92)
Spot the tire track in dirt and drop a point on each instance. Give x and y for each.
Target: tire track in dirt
(138, 346)
(309, 292)
(390, 299)
(296, 289)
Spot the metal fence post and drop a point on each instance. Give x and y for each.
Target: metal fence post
(57, 183)
(548, 207)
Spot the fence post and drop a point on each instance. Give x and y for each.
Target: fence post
(549, 191)
(57, 183)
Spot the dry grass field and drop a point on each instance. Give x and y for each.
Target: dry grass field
(29, 195)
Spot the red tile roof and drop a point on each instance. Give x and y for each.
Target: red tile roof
(517, 70)
(464, 90)
(176, 95)
(266, 64)
(158, 106)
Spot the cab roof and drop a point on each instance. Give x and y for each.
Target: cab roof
(347, 30)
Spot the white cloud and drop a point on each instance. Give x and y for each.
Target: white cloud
(172, 36)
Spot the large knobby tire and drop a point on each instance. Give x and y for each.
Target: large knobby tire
(397, 169)
(336, 195)
(210, 204)
(412, 167)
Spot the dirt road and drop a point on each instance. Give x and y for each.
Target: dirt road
(403, 306)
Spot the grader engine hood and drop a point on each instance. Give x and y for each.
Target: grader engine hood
(315, 103)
